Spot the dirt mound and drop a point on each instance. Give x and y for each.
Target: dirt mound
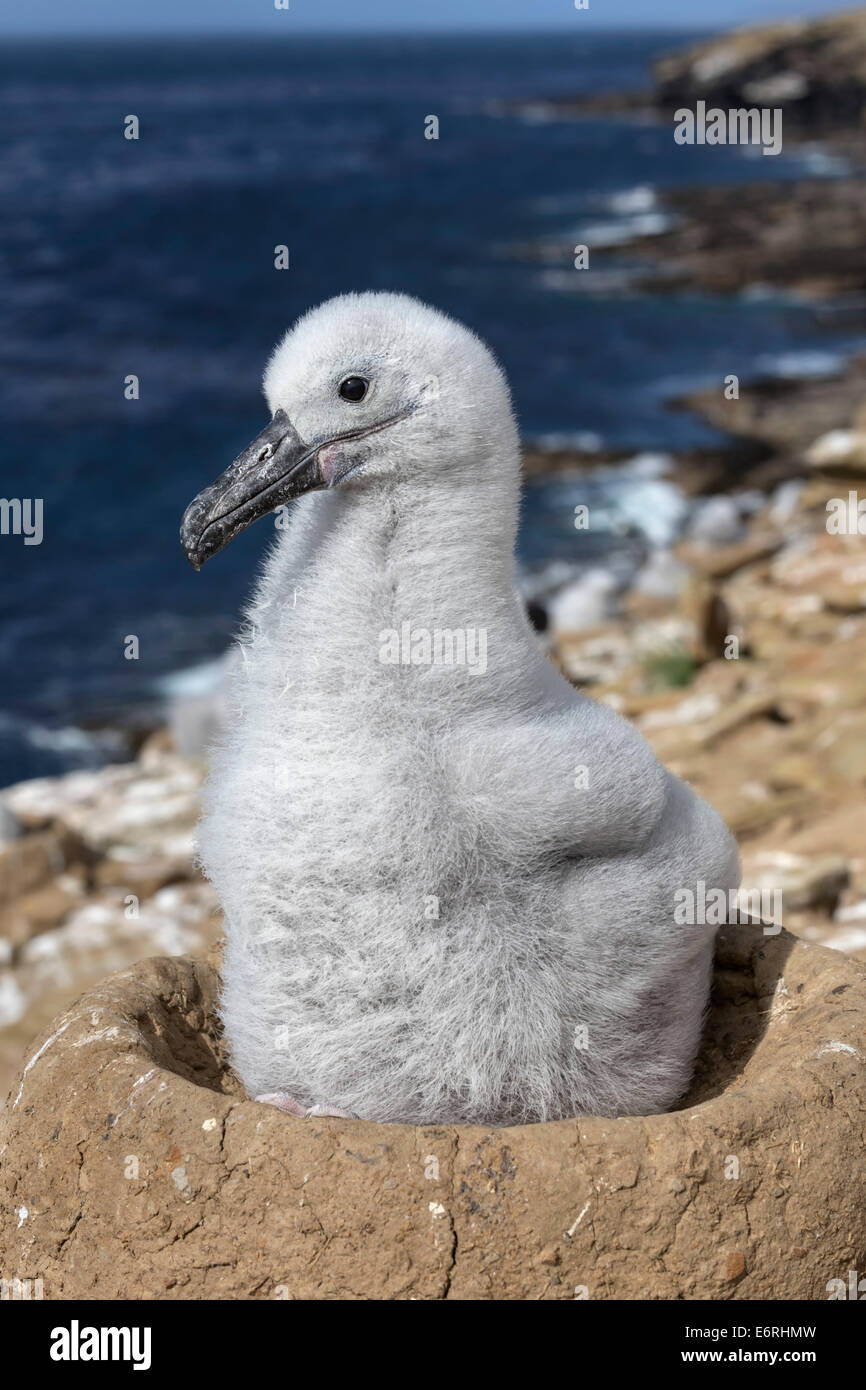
(131, 1166)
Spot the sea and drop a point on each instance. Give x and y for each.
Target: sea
(154, 258)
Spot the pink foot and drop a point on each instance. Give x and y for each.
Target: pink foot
(285, 1102)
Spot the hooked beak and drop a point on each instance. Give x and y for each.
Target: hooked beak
(277, 467)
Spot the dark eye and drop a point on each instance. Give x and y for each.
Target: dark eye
(354, 388)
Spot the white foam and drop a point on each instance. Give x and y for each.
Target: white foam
(633, 200)
(204, 679)
(626, 229)
(804, 362)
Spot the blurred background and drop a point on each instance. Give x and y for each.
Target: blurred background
(698, 385)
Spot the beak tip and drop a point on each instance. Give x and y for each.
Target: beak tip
(190, 549)
(275, 468)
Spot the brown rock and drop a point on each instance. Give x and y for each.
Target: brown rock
(31, 861)
(142, 876)
(132, 1165)
(37, 912)
(794, 771)
(720, 561)
(746, 812)
(803, 881)
(783, 413)
(815, 70)
(839, 452)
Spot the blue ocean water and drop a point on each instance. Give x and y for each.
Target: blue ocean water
(155, 257)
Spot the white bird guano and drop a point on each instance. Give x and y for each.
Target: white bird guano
(449, 885)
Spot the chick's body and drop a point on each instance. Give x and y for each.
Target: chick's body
(449, 885)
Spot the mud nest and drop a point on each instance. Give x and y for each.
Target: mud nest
(132, 1165)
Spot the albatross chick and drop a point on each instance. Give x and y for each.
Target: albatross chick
(448, 877)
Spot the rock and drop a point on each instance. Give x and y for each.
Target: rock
(720, 561)
(662, 577)
(716, 521)
(795, 770)
(706, 729)
(839, 451)
(753, 808)
(803, 882)
(784, 413)
(101, 875)
(844, 753)
(156, 748)
(152, 805)
(142, 874)
(585, 603)
(31, 861)
(143, 1172)
(44, 800)
(711, 619)
(784, 502)
(814, 70)
(10, 825)
(845, 597)
(590, 658)
(38, 912)
(802, 236)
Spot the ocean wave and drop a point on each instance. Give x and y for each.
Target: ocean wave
(629, 201)
(803, 363)
(625, 229)
(55, 747)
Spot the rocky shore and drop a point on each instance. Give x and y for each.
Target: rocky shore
(814, 70)
(802, 236)
(96, 872)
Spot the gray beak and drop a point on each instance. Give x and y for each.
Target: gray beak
(275, 468)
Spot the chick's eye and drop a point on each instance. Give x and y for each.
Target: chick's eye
(354, 388)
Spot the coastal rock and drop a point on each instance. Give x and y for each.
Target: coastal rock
(100, 874)
(131, 1165)
(783, 413)
(720, 561)
(715, 521)
(592, 658)
(814, 70)
(712, 619)
(662, 577)
(803, 882)
(839, 451)
(10, 826)
(32, 861)
(803, 236)
(151, 805)
(40, 911)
